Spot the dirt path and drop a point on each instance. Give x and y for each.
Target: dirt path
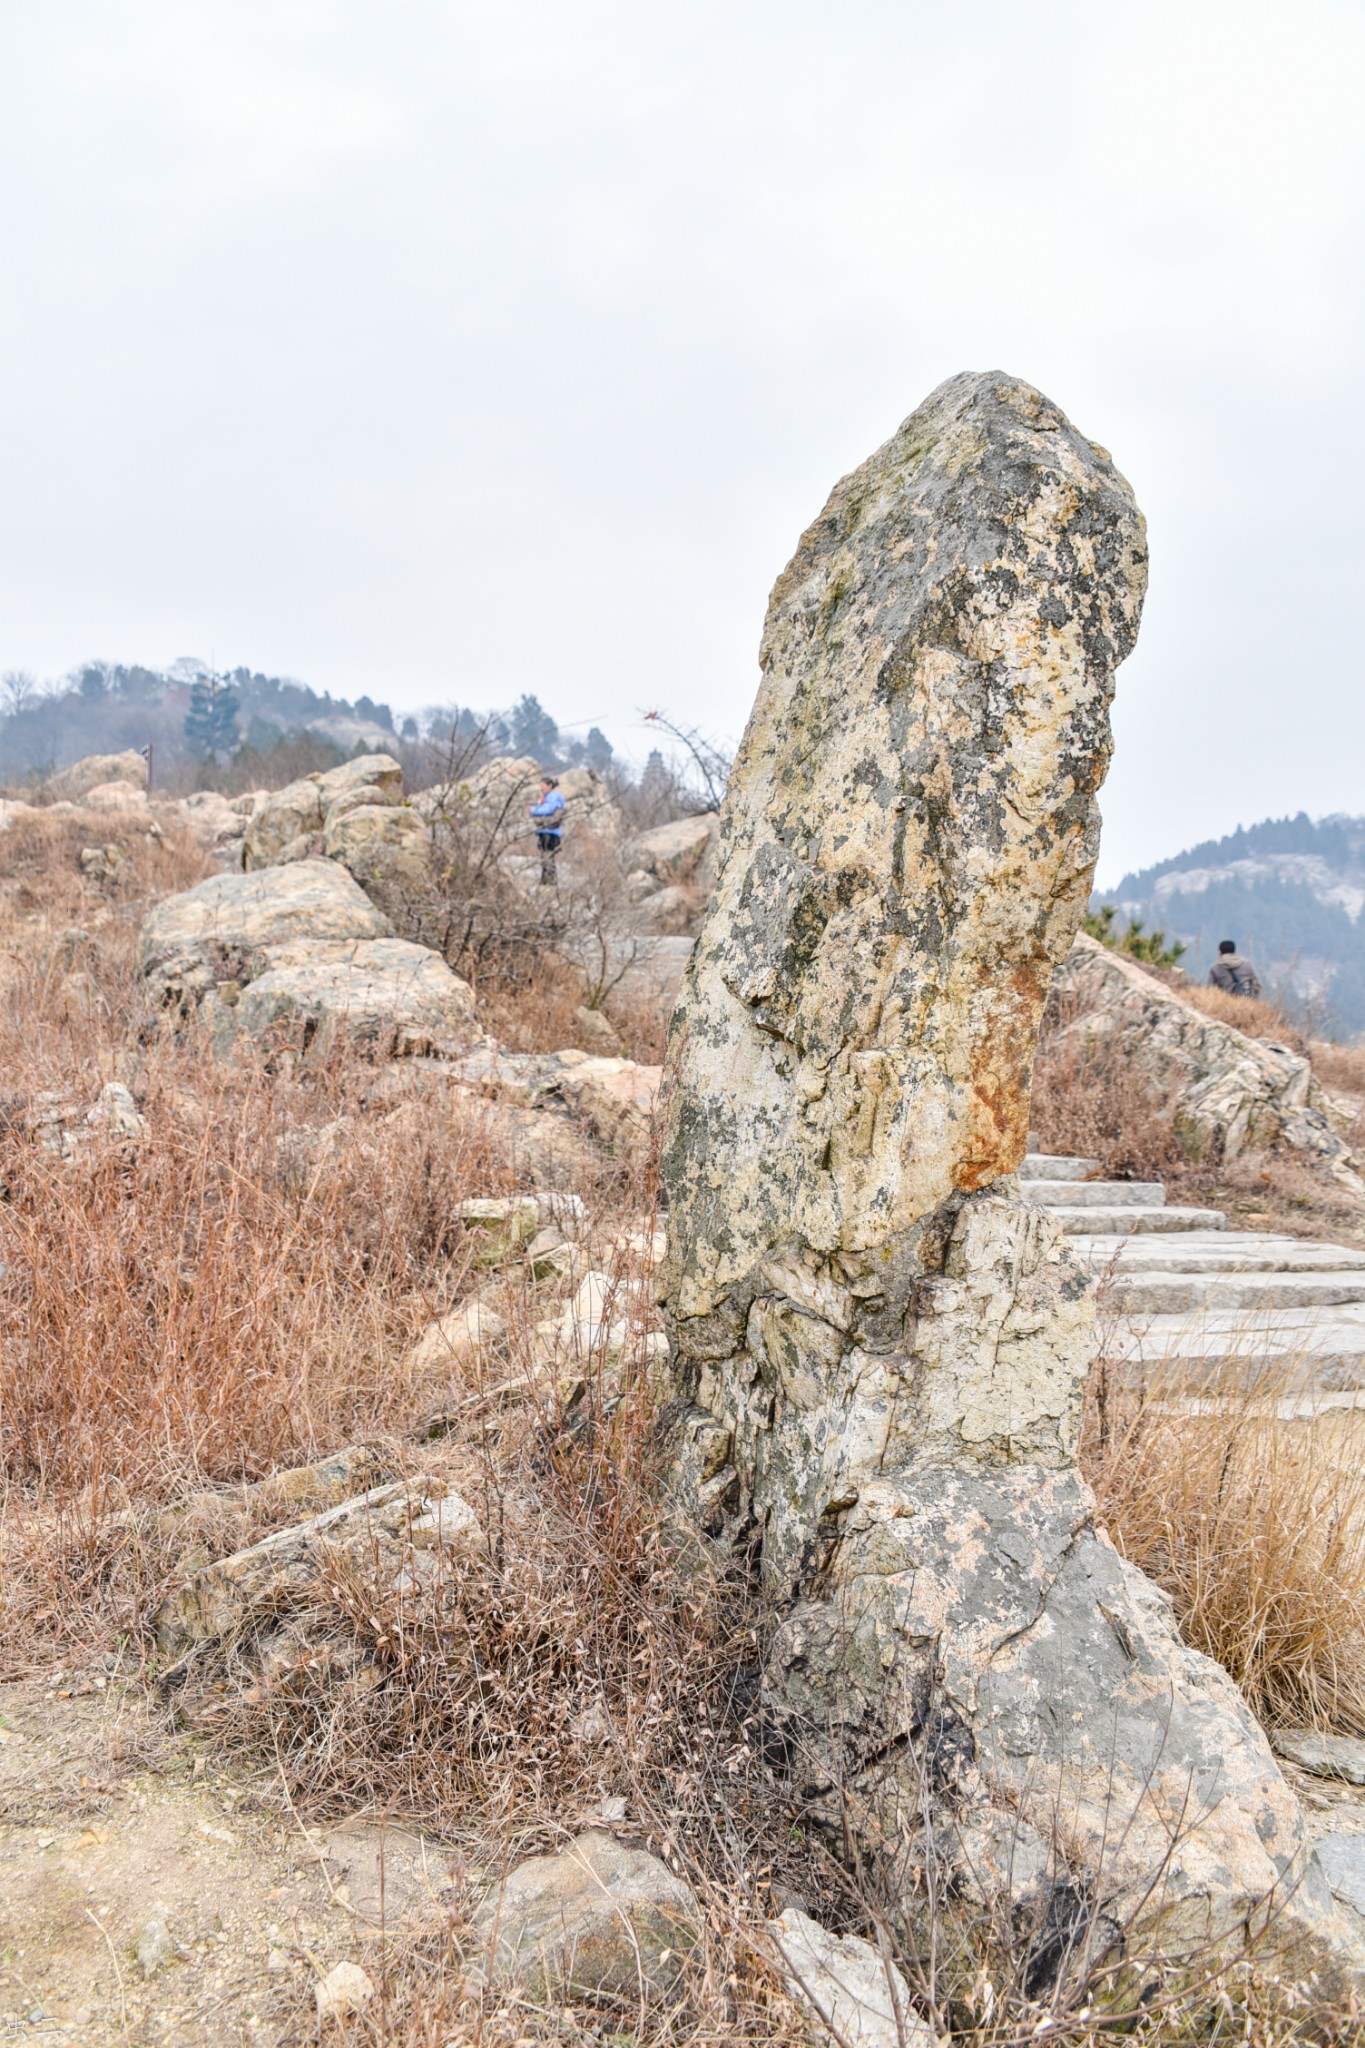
(110, 1824)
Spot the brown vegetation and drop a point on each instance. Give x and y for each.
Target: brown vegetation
(1251, 1515)
(238, 1289)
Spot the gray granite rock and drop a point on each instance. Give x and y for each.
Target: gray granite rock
(1343, 1860)
(1326, 1756)
(877, 1347)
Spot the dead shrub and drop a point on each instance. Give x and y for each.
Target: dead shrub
(1255, 1526)
(1088, 1099)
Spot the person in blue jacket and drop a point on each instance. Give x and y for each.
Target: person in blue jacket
(547, 814)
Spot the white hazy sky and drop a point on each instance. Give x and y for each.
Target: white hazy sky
(448, 349)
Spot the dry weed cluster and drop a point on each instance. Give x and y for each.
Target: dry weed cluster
(238, 1288)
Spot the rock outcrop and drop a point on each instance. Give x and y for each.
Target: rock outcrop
(1232, 1094)
(302, 947)
(304, 808)
(207, 935)
(877, 1349)
(73, 784)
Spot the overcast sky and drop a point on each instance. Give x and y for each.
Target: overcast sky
(448, 350)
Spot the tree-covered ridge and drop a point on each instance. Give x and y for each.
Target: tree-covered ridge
(1289, 892)
(1338, 841)
(191, 714)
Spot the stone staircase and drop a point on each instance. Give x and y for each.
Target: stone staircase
(1185, 1292)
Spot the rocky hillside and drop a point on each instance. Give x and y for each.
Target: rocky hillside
(1290, 891)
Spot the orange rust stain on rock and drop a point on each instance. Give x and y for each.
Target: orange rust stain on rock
(1001, 1072)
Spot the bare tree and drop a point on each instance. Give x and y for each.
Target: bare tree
(711, 761)
(18, 688)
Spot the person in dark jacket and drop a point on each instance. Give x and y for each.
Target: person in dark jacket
(1234, 975)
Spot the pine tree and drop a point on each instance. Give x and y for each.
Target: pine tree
(211, 720)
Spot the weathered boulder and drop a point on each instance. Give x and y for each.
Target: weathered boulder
(387, 994)
(128, 799)
(600, 1919)
(1232, 1094)
(72, 784)
(387, 847)
(877, 1348)
(301, 808)
(211, 818)
(208, 934)
(456, 1339)
(615, 1097)
(268, 1595)
(863, 2001)
(596, 1033)
(677, 852)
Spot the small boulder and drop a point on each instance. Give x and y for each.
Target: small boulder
(387, 847)
(208, 934)
(345, 1990)
(456, 1339)
(125, 798)
(616, 1098)
(501, 1225)
(388, 994)
(678, 852)
(72, 785)
(597, 1920)
(1326, 1756)
(595, 1032)
(862, 2001)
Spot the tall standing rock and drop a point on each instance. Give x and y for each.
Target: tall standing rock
(877, 1349)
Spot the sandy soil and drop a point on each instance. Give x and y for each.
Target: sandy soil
(110, 1820)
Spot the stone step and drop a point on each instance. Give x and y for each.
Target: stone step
(1322, 1348)
(1169, 1293)
(1223, 1251)
(1095, 1194)
(1056, 1166)
(1123, 1219)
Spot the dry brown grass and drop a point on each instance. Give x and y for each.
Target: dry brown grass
(1254, 1524)
(1257, 1019)
(237, 1290)
(537, 1014)
(1339, 1067)
(1088, 1100)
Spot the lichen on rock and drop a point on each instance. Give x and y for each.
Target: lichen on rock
(876, 1348)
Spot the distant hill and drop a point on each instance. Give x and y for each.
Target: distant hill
(1290, 892)
(199, 722)
(107, 706)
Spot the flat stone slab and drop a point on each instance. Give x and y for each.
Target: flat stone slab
(1095, 1194)
(1327, 1344)
(1057, 1166)
(1326, 1756)
(1176, 1293)
(1343, 1861)
(1223, 1251)
(1124, 1219)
